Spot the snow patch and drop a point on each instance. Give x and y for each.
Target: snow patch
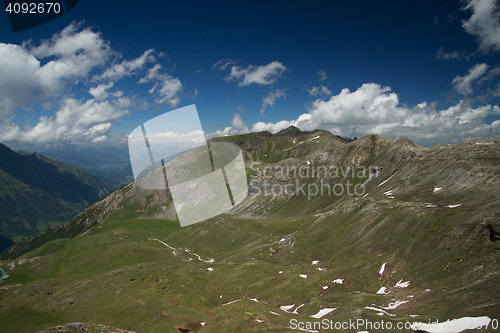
(202, 323)
(209, 269)
(254, 299)
(388, 192)
(316, 137)
(454, 206)
(338, 281)
(274, 313)
(321, 269)
(437, 189)
(382, 290)
(364, 196)
(295, 311)
(283, 239)
(382, 269)
(381, 312)
(394, 305)
(385, 181)
(401, 284)
(323, 312)
(304, 276)
(315, 262)
(280, 272)
(325, 287)
(231, 302)
(286, 308)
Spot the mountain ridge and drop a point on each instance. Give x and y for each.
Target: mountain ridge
(38, 192)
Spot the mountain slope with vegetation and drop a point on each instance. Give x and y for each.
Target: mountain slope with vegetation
(37, 193)
(418, 244)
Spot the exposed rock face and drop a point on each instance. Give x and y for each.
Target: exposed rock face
(84, 327)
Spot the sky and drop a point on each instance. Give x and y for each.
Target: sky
(426, 70)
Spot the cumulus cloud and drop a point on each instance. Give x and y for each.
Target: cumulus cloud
(262, 75)
(322, 74)
(126, 67)
(271, 98)
(373, 109)
(76, 53)
(484, 23)
(167, 88)
(238, 126)
(321, 91)
(463, 84)
(73, 121)
(99, 92)
(18, 82)
(75, 57)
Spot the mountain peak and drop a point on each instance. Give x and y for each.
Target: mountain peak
(292, 130)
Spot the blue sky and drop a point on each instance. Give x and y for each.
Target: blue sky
(425, 70)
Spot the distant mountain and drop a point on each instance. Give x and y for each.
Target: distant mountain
(108, 163)
(37, 192)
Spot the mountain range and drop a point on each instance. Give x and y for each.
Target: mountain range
(37, 193)
(369, 230)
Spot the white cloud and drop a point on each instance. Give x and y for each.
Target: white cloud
(77, 53)
(167, 87)
(18, 83)
(223, 64)
(238, 126)
(373, 109)
(99, 92)
(263, 75)
(169, 140)
(271, 98)
(322, 74)
(463, 84)
(24, 79)
(443, 55)
(484, 23)
(303, 122)
(151, 75)
(126, 67)
(321, 90)
(73, 121)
